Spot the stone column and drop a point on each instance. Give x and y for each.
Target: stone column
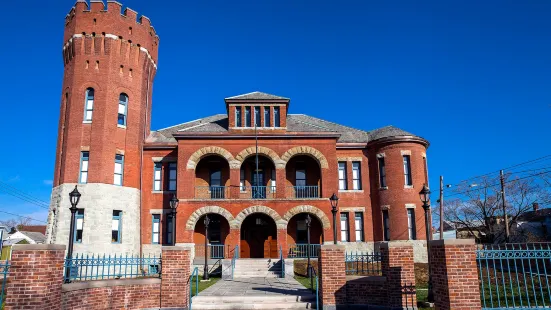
(455, 274)
(175, 272)
(332, 277)
(398, 268)
(35, 276)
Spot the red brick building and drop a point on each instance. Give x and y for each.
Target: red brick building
(257, 170)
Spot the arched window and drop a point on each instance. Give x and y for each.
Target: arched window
(123, 109)
(88, 104)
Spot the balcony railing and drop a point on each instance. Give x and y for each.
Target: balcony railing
(214, 251)
(302, 192)
(257, 192)
(301, 250)
(212, 192)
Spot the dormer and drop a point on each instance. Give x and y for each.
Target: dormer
(267, 112)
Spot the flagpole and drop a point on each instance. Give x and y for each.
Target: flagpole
(256, 152)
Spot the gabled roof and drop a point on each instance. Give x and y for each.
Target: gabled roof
(256, 95)
(218, 124)
(36, 236)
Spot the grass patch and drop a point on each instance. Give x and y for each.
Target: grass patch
(305, 281)
(204, 285)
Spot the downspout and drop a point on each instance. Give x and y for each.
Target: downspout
(141, 156)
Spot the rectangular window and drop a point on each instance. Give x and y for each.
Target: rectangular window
(242, 180)
(172, 174)
(84, 158)
(426, 171)
(359, 225)
(155, 228)
(257, 117)
(248, 117)
(302, 231)
(382, 172)
(123, 108)
(356, 175)
(79, 225)
(342, 176)
(386, 225)
(273, 181)
(411, 224)
(89, 105)
(266, 116)
(407, 170)
(168, 229)
(116, 226)
(157, 176)
(276, 117)
(119, 168)
(344, 227)
(238, 117)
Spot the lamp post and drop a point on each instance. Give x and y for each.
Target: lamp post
(173, 205)
(424, 194)
(334, 202)
(74, 198)
(206, 267)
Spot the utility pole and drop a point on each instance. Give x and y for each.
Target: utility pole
(441, 207)
(501, 177)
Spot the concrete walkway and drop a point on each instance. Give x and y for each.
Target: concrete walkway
(256, 287)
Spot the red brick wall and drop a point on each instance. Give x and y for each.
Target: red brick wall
(36, 276)
(115, 295)
(175, 275)
(122, 67)
(397, 266)
(332, 276)
(365, 291)
(455, 274)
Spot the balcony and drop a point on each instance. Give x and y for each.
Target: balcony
(255, 192)
(302, 192)
(212, 192)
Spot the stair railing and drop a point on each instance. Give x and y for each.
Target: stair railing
(235, 256)
(282, 262)
(313, 275)
(194, 274)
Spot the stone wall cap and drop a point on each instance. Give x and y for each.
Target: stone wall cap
(333, 247)
(177, 248)
(38, 247)
(394, 244)
(453, 242)
(75, 286)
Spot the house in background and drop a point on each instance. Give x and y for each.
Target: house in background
(31, 237)
(533, 226)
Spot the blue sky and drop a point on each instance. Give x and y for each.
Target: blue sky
(473, 77)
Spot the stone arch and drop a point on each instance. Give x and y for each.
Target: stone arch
(194, 217)
(306, 150)
(278, 163)
(212, 150)
(280, 223)
(322, 217)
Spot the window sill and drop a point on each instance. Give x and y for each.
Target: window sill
(87, 122)
(408, 186)
(121, 126)
(384, 188)
(351, 190)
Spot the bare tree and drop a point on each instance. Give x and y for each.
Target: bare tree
(16, 222)
(481, 212)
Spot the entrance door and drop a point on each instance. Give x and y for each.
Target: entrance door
(258, 237)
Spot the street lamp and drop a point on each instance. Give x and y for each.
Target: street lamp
(424, 194)
(334, 202)
(308, 222)
(74, 198)
(206, 267)
(173, 205)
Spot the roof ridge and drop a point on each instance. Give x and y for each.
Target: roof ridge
(195, 120)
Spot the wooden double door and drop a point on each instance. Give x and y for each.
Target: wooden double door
(258, 237)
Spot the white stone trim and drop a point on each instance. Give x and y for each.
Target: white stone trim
(385, 207)
(410, 206)
(384, 188)
(344, 191)
(121, 126)
(87, 122)
(119, 152)
(424, 155)
(408, 186)
(353, 209)
(381, 155)
(405, 152)
(85, 148)
(349, 158)
(165, 159)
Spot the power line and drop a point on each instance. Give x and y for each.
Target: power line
(17, 195)
(27, 217)
(22, 193)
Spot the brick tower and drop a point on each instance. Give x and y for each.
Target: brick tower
(110, 61)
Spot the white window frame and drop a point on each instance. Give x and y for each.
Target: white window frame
(172, 176)
(345, 227)
(84, 166)
(356, 175)
(157, 176)
(89, 98)
(359, 226)
(343, 180)
(119, 161)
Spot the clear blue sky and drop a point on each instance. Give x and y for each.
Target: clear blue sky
(473, 77)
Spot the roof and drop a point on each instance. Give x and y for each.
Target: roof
(13, 241)
(533, 216)
(256, 95)
(36, 236)
(34, 228)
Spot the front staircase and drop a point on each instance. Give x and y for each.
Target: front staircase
(256, 284)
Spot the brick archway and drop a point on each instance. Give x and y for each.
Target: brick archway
(306, 150)
(278, 163)
(212, 150)
(325, 223)
(281, 223)
(194, 217)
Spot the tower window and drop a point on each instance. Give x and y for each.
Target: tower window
(83, 177)
(277, 122)
(172, 176)
(382, 172)
(386, 226)
(257, 116)
(79, 227)
(116, 226)
(247, 116)
(407, 170)
(88, 104)
(155, 228)
(411, 224)
(238, 117)
(119, 169)
(266, 116)
(123, 108)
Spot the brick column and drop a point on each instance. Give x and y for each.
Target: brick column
(36, 276)
(332, 276)
(282, 241)
(281, 183)
(231, 241)
(175, 272)
(455, 274)
(235, 179)
(398, 268)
